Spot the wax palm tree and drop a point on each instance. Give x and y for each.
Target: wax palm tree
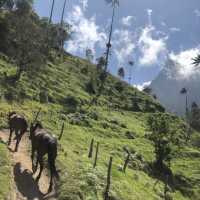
(196, 60)
(51, 13)
(114, 4)
(121, 72)
(185, 92)
(62, 29)
(131, 64)
(103, 74)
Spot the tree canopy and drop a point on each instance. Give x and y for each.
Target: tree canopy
(27, 39)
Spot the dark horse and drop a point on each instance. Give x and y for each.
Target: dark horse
(43, 143)
(18, 124)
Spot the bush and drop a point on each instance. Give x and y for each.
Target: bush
(90, 87)
(43, 96)
(94, 115)
(130, 135)
(136, 107)
(84, 70)
(72, 103)
(119, 86)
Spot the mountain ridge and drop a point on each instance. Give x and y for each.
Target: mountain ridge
(167, 86)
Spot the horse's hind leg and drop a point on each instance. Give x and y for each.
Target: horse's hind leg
(51, 183)
(18, 138)
(34, 168)
(41, 167)
(10, 136)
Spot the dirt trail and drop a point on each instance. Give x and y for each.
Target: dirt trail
(23, 185)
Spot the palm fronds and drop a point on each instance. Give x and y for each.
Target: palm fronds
(196, 60)
(183, 91)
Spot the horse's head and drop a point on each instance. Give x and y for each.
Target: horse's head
(10, 114)
(33, 128)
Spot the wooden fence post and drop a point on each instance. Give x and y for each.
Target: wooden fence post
(96, 155)
(126, 162)
(37, 115)
(106, 194)
(62, 130)
(91, 149)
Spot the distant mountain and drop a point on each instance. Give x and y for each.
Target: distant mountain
(171, 80)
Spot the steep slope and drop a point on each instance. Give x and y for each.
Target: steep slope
(60, 90)
(168, 84)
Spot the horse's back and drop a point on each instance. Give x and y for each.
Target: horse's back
(18, 122)
(44, 142)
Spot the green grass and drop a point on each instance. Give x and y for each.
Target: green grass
(106, 124)
(5, 169)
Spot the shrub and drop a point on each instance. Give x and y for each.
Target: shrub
(119, 86)
(43, 96)
(130, 135)
(90, 87)
(72, 103)
(84, 70)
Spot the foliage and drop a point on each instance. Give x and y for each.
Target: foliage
(27, 39)
(196, 61)
(163, 138)
(121, 72)
(195, 116)
(5, 171)
(89, 54)
(147, 90)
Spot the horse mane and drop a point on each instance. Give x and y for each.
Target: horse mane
(38, 125)
(11, 114)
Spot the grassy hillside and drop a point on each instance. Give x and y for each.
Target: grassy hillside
(63, 92)
(5, 171)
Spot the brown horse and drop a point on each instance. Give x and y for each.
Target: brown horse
(43, 143)
(18, 124)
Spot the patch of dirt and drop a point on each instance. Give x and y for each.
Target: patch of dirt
(24, 186)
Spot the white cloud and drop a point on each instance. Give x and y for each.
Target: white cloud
(84, 4)
(175, 29)
(149, 13)
(143, 85)
(184, 68)
(127, 21)
(197, 12)
(86, 33)
(151, 48)
(163, 24)
(123, 45)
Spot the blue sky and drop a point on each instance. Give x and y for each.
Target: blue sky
(145, 31)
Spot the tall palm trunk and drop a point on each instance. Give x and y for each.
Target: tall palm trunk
(51, 14)
(61, 25)
(110, 38)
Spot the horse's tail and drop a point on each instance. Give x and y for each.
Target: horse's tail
(25, 125)
(52, 154)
